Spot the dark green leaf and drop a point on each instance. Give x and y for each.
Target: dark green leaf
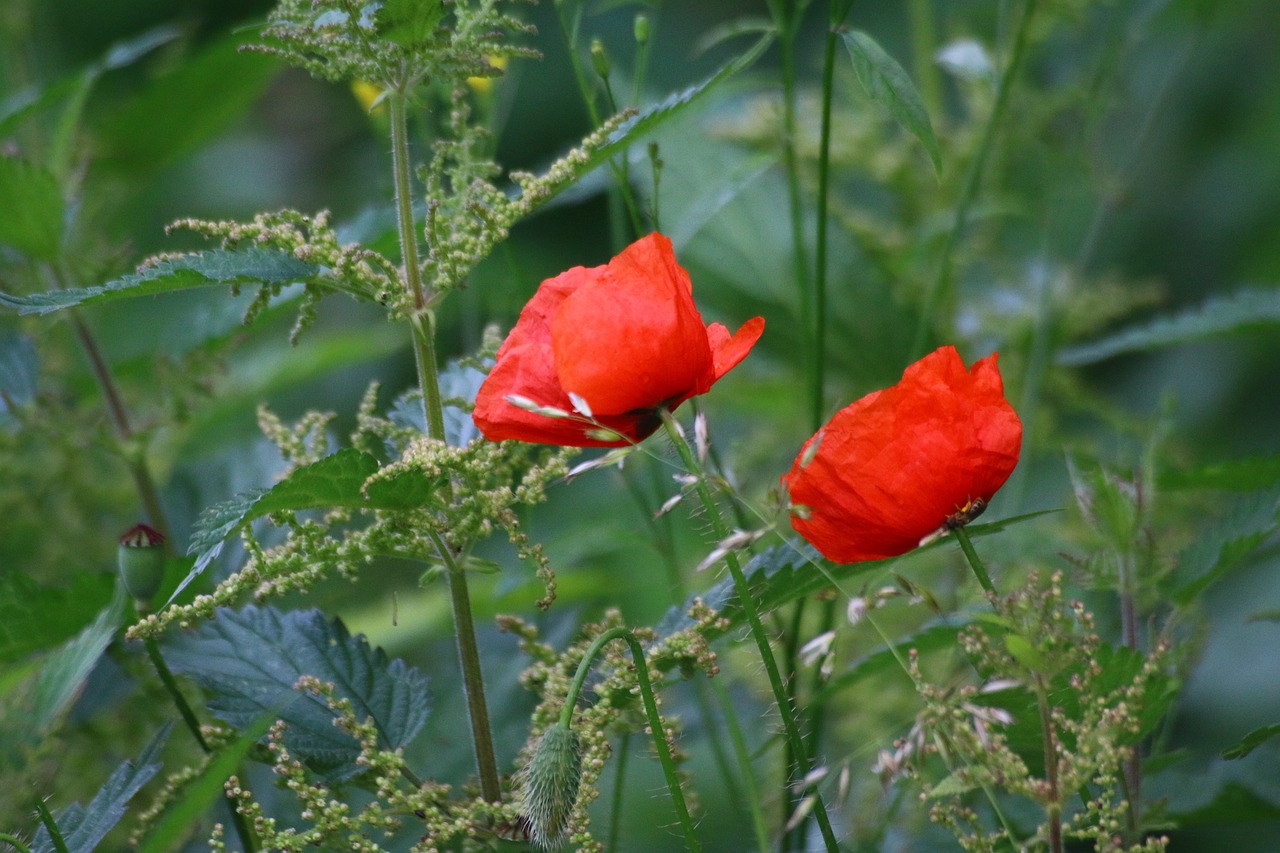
(1218, 316)
(202, 269)
(409, 22)
(1250, 742)
(888, 84)
(200, 792)
(35, 617)
(19, 367)
(1220, 792)
(32, 205)
(337, 480)
(1250, 521)
(83, 827)
(63, 673)
(250, 661)
(186, 108)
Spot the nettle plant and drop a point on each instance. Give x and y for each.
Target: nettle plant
(1019, 719)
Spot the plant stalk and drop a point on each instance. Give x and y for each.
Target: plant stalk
(651, 713)
(789, 724)
(1054, 807)
(975, 562)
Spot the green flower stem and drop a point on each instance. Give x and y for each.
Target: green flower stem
(923, 38)
(50, 825)
(975, 562)
(424, 352)
(651, 712)
(14, 842)
(1054, 806)
(973, 179)
(243, 830)
(785, 709)
(619, 791)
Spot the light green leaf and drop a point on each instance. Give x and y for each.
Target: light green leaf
(1236, 475)
(202, 269)
(1245, 309)
(1248, 522)
(409, 22)
(888, 84)
(83, 827)
(1250, 742)
(35, 617)
(250, 660)
(32, 205)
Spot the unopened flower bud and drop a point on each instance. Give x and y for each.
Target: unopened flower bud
(642, 29)
(550, 787)
(141, 559)
(599, 59)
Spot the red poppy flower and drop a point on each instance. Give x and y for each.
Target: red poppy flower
(624, 338)
(900, 464)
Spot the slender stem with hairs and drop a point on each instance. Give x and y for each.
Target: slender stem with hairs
(975, 562)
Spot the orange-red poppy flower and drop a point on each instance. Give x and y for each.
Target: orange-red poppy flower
(624, 339)
(923, 456)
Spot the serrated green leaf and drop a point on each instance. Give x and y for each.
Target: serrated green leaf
(185, 108)
(1250, 742)
(33, 209)
(1246, 309)
(250, 660)
(409, 22)
(35, 617)
(954, 785)
(888, 84)
(200, 792)
(201, 269)
(83, 827)
(1249, 522)
(338, 480)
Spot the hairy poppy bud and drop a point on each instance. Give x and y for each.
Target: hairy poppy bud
(141, 560)
(550, 787)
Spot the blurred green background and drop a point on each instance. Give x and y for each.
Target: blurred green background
(1138, 176)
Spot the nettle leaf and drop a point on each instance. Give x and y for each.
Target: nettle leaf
(35, 617)
(1250, 742)
(201, 269)
(33, 208)
(338, 480)
(64, 672)
(1217, 792)
(83, 827)
(1247, 524)
(409, 22)
(784, 573)
(1236, 475)
(250, 660)
(888, 84)
(1246, 309)
(19, 369)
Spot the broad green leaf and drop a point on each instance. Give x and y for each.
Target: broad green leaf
(409, 22)
(201, 269)
(64, 672)
(84, 827)
(1246, 309)
(337, 480)
(1237, 475)
(185, 108)
(1218, 792)
(200, 792)
(888, 84)
(1249, 522)
(32, 205)
(250, 660)
(35, 617)
(1251, 741)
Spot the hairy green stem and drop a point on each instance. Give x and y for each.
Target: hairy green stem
(665, 758)
(785, 710)
(1054, 806)
(424, 352)
(941, 281)
(14, 842)
(615, 807)
(51, 826)
(975, 562)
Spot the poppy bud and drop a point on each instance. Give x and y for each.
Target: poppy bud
(642, 29)
(599, 59)
(141, 559)
(550, 787)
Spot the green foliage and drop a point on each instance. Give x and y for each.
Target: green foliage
(83, 827)
(250, 662)
(888, 84)
(33, 207)
(1248, 521)
(34, 617)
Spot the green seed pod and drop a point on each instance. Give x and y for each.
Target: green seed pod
(141, 559)
(550, 785)
(642, 29)
(599, 59)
